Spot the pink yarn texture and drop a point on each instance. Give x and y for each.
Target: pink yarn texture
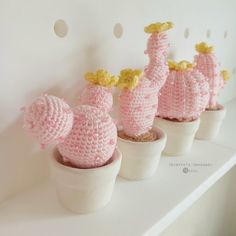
(48, 119)
(157, 70)
(184, 96)
(92, 139)
(97, 96)
(138, 108)
(208, 65)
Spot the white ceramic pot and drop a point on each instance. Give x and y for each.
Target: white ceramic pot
(180, 135)
(210, 123)
(84, 190)
(140, 159)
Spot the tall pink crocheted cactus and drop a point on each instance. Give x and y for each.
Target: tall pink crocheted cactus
(98, 92)
(185, 94)
(139, 96)
(157, 48)
(86, 135)
(207, 64)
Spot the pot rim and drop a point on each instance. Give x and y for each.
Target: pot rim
(222, 109)
(116, 157)
(158, 130)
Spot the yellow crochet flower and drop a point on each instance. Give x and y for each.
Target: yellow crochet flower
(204, 48)
(158, 27)
(129, 79)
(102, 77)
(181, 66)
(225, 75)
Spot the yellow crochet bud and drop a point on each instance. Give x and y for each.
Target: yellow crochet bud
(101, 77)
(204, 48)
(181, 66)
(129, 79)
(158, 27)
(225, 75)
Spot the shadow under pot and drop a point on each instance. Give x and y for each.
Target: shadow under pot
(210, 123)
(84, 190)
(180, 135)
(140, 159)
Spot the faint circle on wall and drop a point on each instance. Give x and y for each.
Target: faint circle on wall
(185, 170)
(186, 33)
(225, 34)
(208, 33)
(118, 30)
(60, 28)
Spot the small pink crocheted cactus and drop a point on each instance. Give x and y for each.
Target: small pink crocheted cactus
(138, 102)
(207, 64)
(86, 137)
(185, 94)
(98, 92)
(157, 48)
(48, 119)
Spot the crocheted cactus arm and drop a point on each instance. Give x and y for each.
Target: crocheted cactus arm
(48, 119)
(157, 49)
(137, 103)
(92, 140)
(184, 95)
(97, 96)
(207, 64)
(98, 92)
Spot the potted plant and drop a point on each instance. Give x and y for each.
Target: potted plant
(85, 163)
(212, 117)
(140, 142)
(182, 99)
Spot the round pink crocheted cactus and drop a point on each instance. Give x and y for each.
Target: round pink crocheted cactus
(184, 96)
(92, 139)
(207, 64)
(138, 108)
(98, 96)
(48, 119)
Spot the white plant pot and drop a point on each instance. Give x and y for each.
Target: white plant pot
(84, 190)
(210, 123)
(140, 159)
(180, 135)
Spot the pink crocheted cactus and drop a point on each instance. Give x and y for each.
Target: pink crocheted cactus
(48, 119)
(185, 94)
(97, 96)
(86, 136)
(98, 92)
(157, 47)
(92, 139)
(207, 64)
(138, 103)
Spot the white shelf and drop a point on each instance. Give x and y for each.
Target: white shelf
(137, 208)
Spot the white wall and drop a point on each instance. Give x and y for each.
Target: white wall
(34, 60)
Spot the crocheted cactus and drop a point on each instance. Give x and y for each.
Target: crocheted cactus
(207, 64)
(185, 94)
(86, 136)
(92, 139)
(98, 92)
(138, 102)
(48, 119)
(157, 47)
